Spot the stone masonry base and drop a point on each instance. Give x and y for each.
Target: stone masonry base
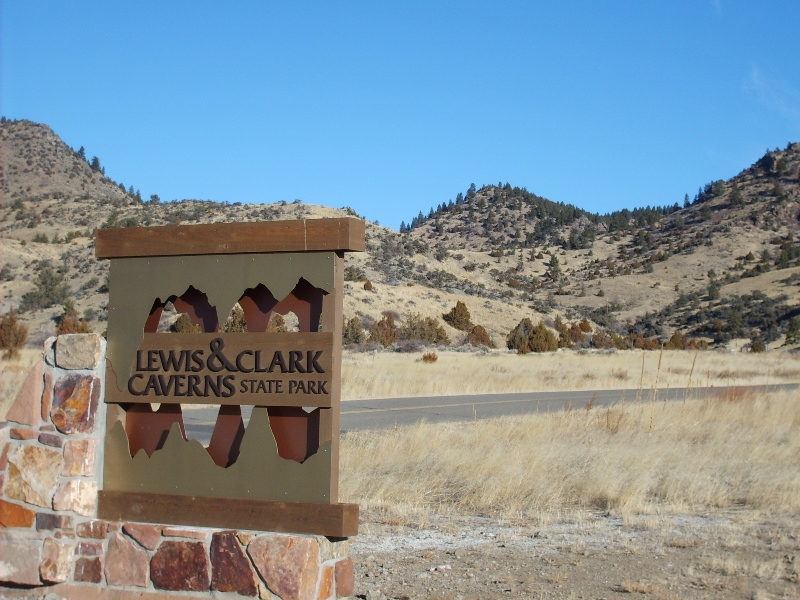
(53, 546)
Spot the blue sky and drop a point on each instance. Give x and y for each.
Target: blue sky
(392, 108)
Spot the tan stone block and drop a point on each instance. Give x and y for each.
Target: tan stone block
(78, 351)
(264, 593)
(332, 549)
(244, 537)
(47, 395)
(56, 564)
(230, 569)
(77, 496)
(6, 446)
(326, 583)
(75, 400)
(180, 566)
(345, 577)
(148, 536)
(288, 564)
(80, 457)
(27, 407)
(33, 474)
(126, 563)
(20, 560)
(2, 483)
(14, 515)
(192, 534)
(49, 351)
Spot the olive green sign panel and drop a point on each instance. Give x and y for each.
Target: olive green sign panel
(184, 467)
(135, 284)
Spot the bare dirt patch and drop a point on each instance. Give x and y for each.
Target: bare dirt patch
(728, 554)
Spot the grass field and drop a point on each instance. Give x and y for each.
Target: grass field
(393, 375)
(633, 458)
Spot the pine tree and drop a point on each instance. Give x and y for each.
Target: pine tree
(554, 269)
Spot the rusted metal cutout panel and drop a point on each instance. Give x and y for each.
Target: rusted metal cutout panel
(219, 282)
(185, 467)
(345, 234)
(258, 369)
(332, 520)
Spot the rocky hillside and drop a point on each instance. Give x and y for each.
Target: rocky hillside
(504, 251)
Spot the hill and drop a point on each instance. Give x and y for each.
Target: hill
(723, 266)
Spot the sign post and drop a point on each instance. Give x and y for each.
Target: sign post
(280, 473)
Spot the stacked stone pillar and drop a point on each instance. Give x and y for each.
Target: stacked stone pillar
(51, 453)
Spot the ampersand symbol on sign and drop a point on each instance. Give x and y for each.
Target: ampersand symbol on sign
(220, 361)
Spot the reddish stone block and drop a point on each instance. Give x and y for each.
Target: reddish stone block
(230, 569)
(148, 536)
(46, 521)
(26, 409)
(90, 548)
(92, 529)
(126, 563)
(180, 566)
(14, 515)
(4, 456)
(79, 457)
(345, 577)
(51, 439)
(75, 399)
(326, 583)
(47, 396)
(288, 564)
(56, 561)
(20, 561)
(89, 570)
(23, 434)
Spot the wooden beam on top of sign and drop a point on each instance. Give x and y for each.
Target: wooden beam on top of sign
(332, 520)
(313, 235)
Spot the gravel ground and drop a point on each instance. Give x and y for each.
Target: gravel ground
(725, 555)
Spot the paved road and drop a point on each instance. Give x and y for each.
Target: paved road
(385, 414)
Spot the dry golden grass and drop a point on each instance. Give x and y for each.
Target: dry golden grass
(396, 375)
(631, 458)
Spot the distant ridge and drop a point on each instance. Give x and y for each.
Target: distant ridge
(691, 267)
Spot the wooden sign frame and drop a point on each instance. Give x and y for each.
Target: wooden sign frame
(293, 380)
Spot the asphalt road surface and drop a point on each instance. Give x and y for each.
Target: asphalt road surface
(398, 412)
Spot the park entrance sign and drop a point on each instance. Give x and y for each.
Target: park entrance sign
(278, 473)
